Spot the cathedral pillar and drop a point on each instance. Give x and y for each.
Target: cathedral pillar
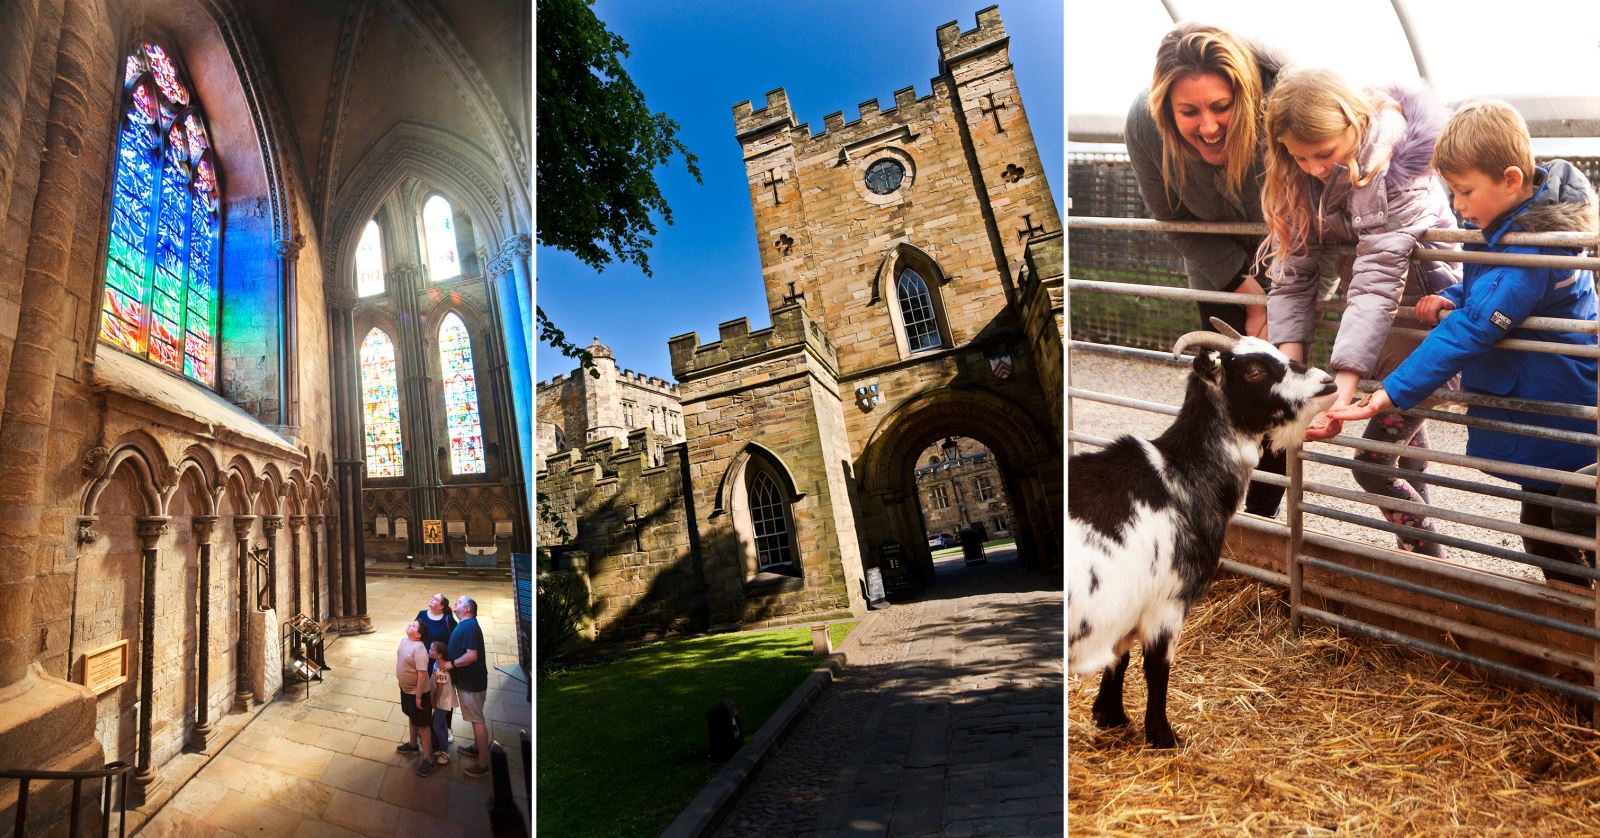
(270, 525)
(203, 526)
(417, 399)
(510, 282)
(30, 380)
(288, 336)
(242, 524)
(146, 779)
(297, 525)
(317, 527)
(349, 554)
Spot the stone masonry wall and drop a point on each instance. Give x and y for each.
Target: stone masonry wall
(632, 519)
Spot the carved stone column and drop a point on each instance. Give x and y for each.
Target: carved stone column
(288, 335)
(418, 392)
(318, 527)
(203, 526)
(514, 307)
(297, 525)
(146, 779)
(270, 525)
(350, 553)
(242, 525)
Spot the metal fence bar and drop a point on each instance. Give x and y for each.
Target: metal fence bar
(1533, 431)
(1395, 637)
(1257, 228)
(1548, 475)
(1578, 507)
(1454, 627)
(1577, 542)
(1449, 596)
(1504, 553)
(1295, 472)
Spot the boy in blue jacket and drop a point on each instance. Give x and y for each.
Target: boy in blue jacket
(1485, 156)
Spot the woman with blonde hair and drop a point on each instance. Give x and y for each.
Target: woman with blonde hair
(1352, 167)
(1194, 139)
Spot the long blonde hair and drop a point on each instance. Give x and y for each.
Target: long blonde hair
(1309, 106)
(1196, 49)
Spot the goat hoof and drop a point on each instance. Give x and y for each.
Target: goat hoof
(1162, 737)
(1107, 718)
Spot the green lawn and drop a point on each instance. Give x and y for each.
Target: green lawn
(622, 743)
(956, 551)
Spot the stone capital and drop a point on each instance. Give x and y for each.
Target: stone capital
(152, 528)
(340, 298)
(203, 526)
(86, 530)
(271, 524)
(242, 525)
(289, 248)
(296, 521)
(318, 520)
(402, 273)
(95, 461)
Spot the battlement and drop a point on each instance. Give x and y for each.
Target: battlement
(773, 112)
(649, 382)
(954, 42)
(608, 458)
(791, 326)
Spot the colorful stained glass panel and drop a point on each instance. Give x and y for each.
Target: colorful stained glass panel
(166, 74)
(460, 397)
(380, 405)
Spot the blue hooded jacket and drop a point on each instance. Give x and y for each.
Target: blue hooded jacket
(1491, 302)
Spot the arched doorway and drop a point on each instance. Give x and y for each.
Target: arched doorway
(1028, 461)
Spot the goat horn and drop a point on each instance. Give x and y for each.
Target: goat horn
(1210, 340)
(1223, 327)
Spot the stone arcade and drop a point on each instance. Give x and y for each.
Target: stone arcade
(185, 187)
(912, 260)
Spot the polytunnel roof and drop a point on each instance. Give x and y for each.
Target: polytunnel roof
(1541, 55)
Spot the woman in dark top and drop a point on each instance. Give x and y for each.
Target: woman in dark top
(436, 620)
(1195, 142)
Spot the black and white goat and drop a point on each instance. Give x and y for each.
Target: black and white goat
(1146, 518)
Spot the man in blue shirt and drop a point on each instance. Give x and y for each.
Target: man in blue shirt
(467, 664)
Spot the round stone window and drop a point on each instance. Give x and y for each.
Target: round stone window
(884, 176)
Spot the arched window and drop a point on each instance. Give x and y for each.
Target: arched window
(769, 522)
(460, 397)
(916, 312)
(439, 234)
(380, 401)
(160, 297)
(369, 261)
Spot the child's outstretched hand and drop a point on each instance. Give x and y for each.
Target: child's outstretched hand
(1368, 407)
(1429, 309)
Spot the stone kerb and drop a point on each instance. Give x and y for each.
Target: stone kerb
(791, 327)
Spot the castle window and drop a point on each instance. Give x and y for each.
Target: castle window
(160, 299)
(369, 261)
(916, 312)
(939, 497)
(884, 176)
(985, 488)
(627, 414)
(460, 397)
(439, 239)
(380, 405)
(769, 520)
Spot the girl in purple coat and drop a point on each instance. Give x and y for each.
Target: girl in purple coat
(1348, 167)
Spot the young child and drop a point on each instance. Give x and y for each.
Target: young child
(1351, 167)
(444, 703)
(1485, 157)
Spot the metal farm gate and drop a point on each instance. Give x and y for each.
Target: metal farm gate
(1127, 296)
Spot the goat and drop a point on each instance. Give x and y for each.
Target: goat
(1146, 518)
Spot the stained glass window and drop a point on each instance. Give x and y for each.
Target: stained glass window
(380, 405)
(916, 310)
(160, 297)
(460, 397)
(439, 230)
(369, 262)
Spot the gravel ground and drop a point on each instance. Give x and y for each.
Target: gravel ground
(1157, 382)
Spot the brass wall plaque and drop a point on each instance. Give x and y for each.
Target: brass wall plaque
(106, 667)
(432, 531)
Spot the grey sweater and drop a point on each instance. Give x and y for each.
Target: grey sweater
(1214, 262)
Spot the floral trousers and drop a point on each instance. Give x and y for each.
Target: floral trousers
(1398, 429)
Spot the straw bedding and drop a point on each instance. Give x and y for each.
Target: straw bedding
(1327, 735)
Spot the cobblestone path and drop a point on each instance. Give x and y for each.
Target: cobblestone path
(946, 721)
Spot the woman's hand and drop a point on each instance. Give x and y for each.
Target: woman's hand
(1367, 408)
(1430, 308)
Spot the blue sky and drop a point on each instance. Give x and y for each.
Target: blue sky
(694, 60)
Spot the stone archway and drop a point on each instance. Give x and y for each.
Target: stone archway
(1029, 458)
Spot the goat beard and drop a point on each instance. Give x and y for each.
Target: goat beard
(1290, 435)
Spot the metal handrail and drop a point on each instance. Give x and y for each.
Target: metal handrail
(109, 773)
